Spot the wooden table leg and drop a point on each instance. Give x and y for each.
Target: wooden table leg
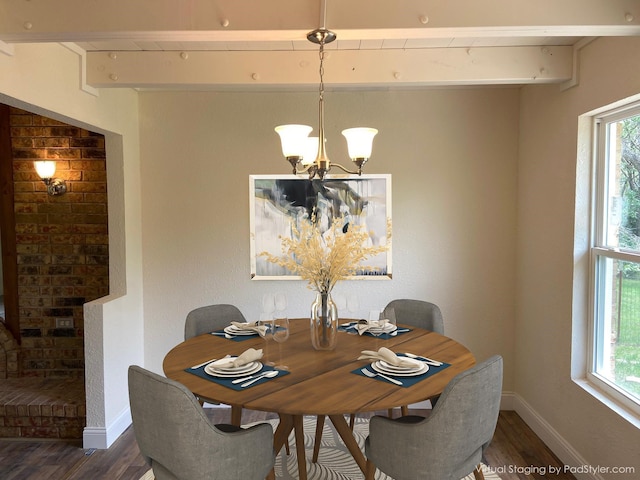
(281, 435)
(302, 461)
(347, 437)
(236, 415)
(280, 438)
(318, 437)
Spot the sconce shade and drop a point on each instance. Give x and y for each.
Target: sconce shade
(45, 168)
(359, 141)
(294, 139)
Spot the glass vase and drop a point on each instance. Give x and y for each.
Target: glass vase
(324, 323)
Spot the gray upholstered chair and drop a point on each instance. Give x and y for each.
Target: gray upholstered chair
(417, 313)
(210, 318)
(207, 319)
(449, 443)
(180, 443)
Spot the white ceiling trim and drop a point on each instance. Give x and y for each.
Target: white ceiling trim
(260, 44)
(343, 68)
(63, 20)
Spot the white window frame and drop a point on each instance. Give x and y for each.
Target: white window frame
(598, 251)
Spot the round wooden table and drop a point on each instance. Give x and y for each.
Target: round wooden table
(319, 382)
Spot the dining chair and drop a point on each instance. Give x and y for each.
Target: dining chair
(210, 318)
(449, 443)
(207, 319)
(179, 442)
(417, 313)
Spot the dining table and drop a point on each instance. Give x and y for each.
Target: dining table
(318, 382)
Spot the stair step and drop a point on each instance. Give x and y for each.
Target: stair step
(42, 408)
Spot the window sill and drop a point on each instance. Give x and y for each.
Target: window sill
(600, 395)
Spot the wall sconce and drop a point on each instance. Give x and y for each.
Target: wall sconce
(46, 169)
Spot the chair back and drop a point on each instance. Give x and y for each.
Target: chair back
(449, 443)
(472, 398)
(179, 442)
(210, 318)
(417, 313)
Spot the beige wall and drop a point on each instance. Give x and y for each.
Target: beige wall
(452, 155)
(550, 324)
(483, 207)
(45, 79)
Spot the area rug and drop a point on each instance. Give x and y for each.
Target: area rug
(334, 460)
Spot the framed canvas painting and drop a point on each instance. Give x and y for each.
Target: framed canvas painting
(279, 201)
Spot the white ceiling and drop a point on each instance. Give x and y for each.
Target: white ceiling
(260, 44)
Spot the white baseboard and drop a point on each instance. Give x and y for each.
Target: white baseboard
(102, 437)
(552, 439)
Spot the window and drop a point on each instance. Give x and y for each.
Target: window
(615, 359)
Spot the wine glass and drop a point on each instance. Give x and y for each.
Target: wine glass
(280, 303)
(268, 306)
(280, 329)
(280, 333)
(390, 316)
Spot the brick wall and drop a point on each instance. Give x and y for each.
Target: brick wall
(62, 241)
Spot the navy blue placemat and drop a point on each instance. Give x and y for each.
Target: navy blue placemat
(406, 381)
(350, 327)
(226, 381)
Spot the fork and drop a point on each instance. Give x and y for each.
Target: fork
(372, 374)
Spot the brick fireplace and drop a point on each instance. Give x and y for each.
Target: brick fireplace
(62, 257)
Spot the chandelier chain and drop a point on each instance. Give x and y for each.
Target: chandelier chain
(321, 54)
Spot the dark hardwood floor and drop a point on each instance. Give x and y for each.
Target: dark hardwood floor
(515, 453)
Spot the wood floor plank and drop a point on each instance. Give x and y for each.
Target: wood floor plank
(514, 452)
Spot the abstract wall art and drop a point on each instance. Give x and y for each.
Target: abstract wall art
(279, 201)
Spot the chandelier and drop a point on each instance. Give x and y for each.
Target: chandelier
(307, 154)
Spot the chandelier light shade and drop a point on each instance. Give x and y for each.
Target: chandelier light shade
(296, 143)
(359, 142)
(310, 152)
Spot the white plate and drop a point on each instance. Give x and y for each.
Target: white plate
(223, 365)
(209, 369)
(417, 365)
(380, 369)
(231, 330)
(386, 329)
(226, 363)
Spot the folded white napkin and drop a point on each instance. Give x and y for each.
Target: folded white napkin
(260, 329)
(388, 356)
(248, 356)
(382, 324)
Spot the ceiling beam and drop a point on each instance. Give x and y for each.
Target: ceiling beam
(343, 68)
(288, 20)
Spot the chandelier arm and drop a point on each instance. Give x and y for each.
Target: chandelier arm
(357, 172)
(303, 169)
